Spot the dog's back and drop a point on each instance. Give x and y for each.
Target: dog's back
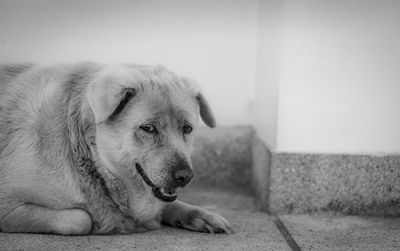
(10, 71)
(7, 74)
(33, 147)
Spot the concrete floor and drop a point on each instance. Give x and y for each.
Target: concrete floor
(254, 230)
(341, 232)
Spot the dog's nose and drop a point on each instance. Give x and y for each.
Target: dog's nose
(183, 176)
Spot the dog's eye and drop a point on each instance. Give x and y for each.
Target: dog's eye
(148, 128)
(187, 129)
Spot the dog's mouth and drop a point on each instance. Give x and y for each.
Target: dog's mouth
(166, 194)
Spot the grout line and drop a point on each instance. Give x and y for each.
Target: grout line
(266, 197)
(285, 233)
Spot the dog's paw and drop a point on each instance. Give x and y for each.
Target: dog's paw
(205, 221)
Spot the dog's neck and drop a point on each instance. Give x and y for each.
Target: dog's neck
(94, 179)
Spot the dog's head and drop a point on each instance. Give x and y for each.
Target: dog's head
(145, 122)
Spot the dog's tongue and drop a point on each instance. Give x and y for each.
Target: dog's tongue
(170, 190)
(162, 194)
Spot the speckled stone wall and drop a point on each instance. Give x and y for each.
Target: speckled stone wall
(352, 184)
(222, 157)
(285, 183)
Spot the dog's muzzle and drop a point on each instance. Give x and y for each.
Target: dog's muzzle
(161, 193)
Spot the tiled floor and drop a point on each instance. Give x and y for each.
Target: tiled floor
(339, 232)
(254, 230)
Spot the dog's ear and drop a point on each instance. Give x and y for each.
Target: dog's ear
(108, 98)
(205, 111)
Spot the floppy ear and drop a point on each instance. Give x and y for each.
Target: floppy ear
(107, 99)
(205, 111)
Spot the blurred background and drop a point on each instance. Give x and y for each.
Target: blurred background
(312, 76)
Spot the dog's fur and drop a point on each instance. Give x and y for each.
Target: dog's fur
(85, 148)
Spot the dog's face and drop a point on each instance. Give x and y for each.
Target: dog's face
(146, 118)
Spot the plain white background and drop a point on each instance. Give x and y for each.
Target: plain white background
(213, 42)
(337, 74)
(309, 75)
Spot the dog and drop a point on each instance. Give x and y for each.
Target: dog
(89, 148)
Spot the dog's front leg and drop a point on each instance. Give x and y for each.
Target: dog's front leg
(183, 215)
(30, 218)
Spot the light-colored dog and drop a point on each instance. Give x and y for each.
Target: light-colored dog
(98, 149)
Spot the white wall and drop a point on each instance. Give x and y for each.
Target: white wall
(210, 41)
(311, 75)
(339, 72)
(265, 106)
